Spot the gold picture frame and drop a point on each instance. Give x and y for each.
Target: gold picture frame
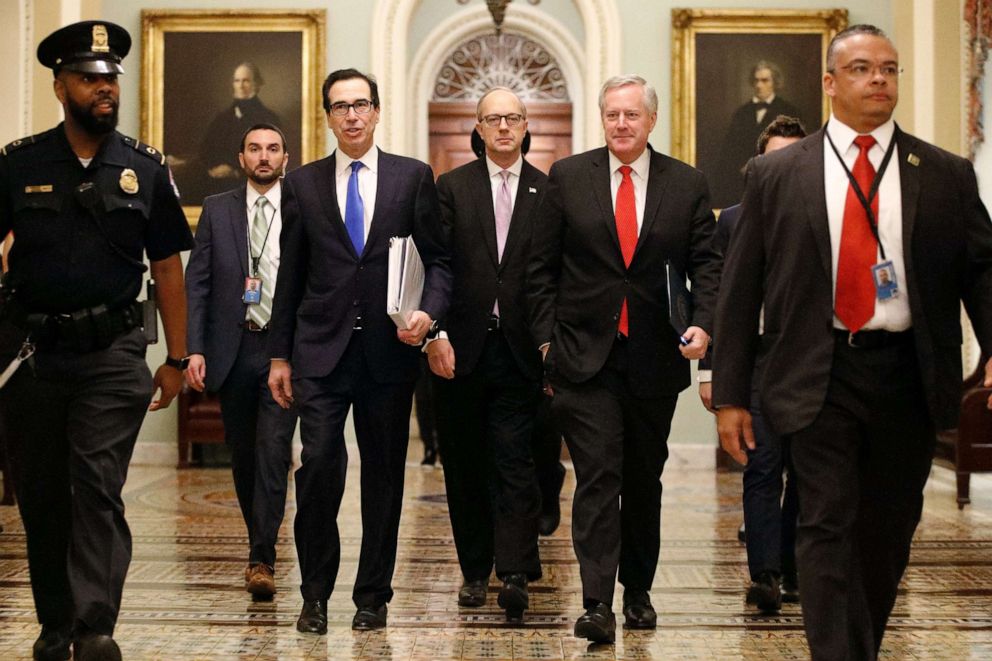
(715, 53)
(190, 100)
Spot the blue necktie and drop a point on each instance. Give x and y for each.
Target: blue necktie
(354, 210)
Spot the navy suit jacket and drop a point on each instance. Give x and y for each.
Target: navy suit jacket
(324, 286)
(215, 282)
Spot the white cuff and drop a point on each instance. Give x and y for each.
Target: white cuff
(442, 335)
(704, 376)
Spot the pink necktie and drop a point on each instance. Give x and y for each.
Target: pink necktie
(504, 209)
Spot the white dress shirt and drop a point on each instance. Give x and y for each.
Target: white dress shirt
(759, 114)
(368, 181)
(513, 181)
(892, 314)
(639, 177)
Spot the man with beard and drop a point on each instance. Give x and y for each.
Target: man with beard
(86, 204)
(230, 278)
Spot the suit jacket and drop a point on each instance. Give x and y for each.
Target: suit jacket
(215, 281)
(721, 241)
(479, 276)
(781, 257)
(578, 280)
(324, 286)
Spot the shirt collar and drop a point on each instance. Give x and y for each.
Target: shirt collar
(273, 195)
(369, 159)
(755, 99)
(496, 169)
(639, 166)
(843, 135)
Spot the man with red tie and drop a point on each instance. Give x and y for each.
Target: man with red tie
(611, 221)
(860, 242)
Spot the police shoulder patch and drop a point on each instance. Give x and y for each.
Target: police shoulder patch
(24, 142)
(147, 150)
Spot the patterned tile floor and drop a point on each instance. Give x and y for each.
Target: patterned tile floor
(183, 600)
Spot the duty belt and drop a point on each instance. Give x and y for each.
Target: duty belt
(82, 331)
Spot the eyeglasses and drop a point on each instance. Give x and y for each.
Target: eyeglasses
(362, 107)
(493, 121)
(861, 70)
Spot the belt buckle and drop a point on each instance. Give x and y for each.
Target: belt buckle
(850, 341)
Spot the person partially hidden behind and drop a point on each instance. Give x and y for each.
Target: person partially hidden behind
(854, 378)
(230, 279)
(769, 514)
(87, 205)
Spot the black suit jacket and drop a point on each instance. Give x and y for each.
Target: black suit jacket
(324, 286)
(721, 241)
(215, 282)
(781, 257)
(479, 276)
(578, 281)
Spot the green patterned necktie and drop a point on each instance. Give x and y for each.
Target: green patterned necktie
(262, 312)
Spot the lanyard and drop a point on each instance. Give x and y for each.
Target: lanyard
(256, 259)
(866, 201)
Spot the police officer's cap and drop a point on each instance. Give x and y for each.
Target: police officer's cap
(87, 47)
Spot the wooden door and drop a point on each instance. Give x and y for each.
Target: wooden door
(451, 125)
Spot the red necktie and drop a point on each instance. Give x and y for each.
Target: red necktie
(855, 302)
(626, 216)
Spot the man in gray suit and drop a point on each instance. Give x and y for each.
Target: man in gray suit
(232, 274)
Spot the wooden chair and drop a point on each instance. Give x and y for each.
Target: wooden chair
(968, 449)
(199, 422)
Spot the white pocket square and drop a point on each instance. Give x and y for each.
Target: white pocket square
(531, 190)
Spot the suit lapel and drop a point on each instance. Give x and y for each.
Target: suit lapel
(599, 175)
(482, 192)
(523, 205)
(816, 198)
(385, 193)
(324, 180)
(909, 181)
(238, 222)
(652, 201)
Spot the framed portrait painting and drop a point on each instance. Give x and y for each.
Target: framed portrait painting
(207, 76)
(734, 71)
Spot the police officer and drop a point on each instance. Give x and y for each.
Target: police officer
(84, 203)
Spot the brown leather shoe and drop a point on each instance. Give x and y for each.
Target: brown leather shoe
(260, 580)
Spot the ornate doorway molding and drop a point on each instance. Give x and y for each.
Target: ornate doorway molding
(405, 85)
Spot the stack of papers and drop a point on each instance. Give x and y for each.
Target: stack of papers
(406, 280)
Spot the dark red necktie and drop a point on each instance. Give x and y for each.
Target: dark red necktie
(626, 217)
(855, 303)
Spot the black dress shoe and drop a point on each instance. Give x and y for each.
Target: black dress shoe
(368, 618)
(790, 589)
(513, 597)
(597, 625)
(313, 617)
(472, 594)
(638, 613)
(430, 457)
(95, 647)
(52, 644)
(765, 593)
(742, 534)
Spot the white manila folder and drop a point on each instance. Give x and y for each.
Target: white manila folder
(406, 280)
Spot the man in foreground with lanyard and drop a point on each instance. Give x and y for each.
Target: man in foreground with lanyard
(860, 241)
(230, 278)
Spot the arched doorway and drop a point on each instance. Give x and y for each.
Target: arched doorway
(508, 60)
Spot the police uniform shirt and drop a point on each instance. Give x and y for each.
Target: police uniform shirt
(61, 261)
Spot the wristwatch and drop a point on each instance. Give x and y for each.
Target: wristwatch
(179, 363)
(433, 330)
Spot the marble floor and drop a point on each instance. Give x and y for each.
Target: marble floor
(184, 598)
